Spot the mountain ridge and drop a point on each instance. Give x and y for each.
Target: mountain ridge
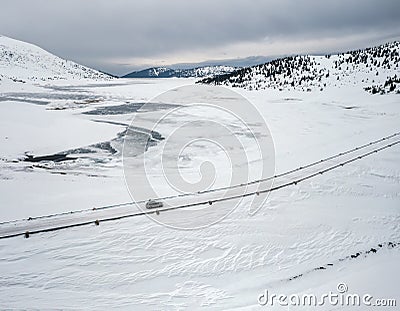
(166, 72)
(376, 69)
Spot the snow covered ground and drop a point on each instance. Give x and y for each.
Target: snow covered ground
(137, 264)
(339, 227)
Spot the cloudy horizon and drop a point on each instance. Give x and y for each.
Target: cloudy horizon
(120, 36)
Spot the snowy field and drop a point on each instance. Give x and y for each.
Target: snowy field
(301, 241)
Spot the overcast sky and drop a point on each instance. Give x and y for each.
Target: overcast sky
(118, 36)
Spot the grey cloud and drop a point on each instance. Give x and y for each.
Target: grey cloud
(100, 32)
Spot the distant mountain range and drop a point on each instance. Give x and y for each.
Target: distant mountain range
(200, 69)
(230, 62)
(22, 62)
(164, 72)
(375, 69)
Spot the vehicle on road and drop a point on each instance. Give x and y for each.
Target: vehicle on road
(154, 204)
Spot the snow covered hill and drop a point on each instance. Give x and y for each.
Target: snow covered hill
(164, 72)
(24, 62)
(375, 69)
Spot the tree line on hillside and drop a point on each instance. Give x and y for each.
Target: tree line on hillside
(305, 72)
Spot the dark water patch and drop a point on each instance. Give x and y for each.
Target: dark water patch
(68, 88)
(158, 106)
(138, 139)
(111, 122)
(51, 96)
(114, 110)
(59, 157)
(78, 174)
(84, 150)
(83, 87)
(89, 101)
(23, 100)
(349, 107)
(130, 108)
(59, 173)
(106, 146)
(140, 130)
